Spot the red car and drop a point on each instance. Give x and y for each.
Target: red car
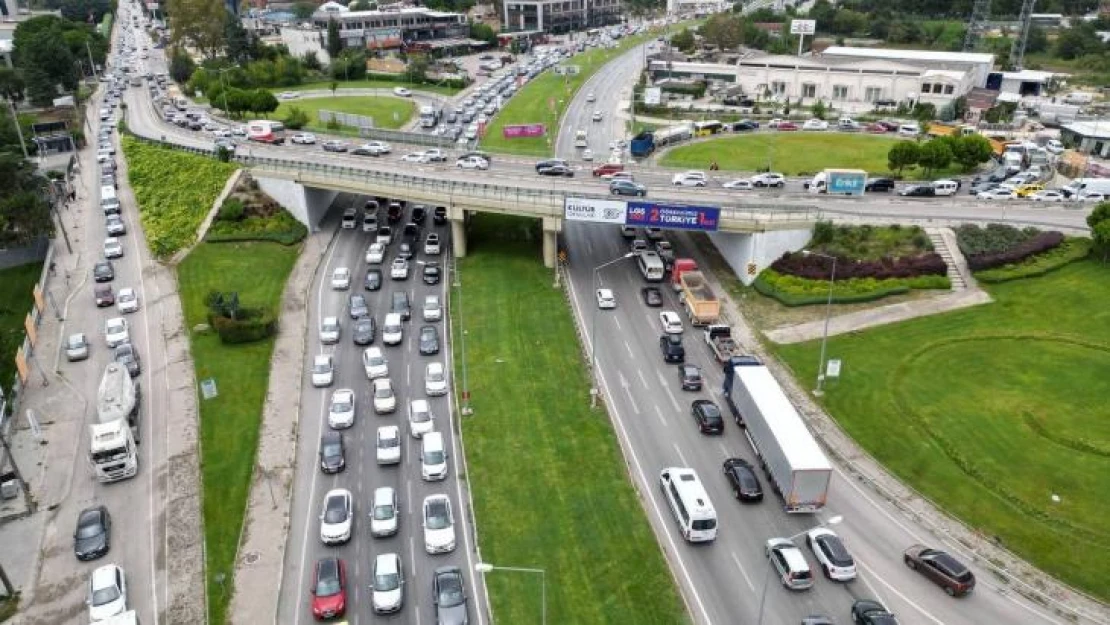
(876, 128)
(786, 126)
(104, 295)
(329, 588)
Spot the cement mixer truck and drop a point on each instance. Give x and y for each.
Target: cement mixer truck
(114, 437)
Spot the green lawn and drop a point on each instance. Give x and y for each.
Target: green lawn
(792, 153)
(991, 411)
(369, 84)
(550, 488)
(387, 111)
(230, 422)
(16, 301)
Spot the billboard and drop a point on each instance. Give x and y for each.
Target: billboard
(380, 38)
(523, 130)
(673, 216)
(595, 210)
(653, 96)
(803, 27)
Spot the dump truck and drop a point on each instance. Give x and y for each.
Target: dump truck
(720, 341)
(791, 459)
(701, 304)
(115, 436)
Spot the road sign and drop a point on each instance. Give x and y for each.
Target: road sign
(595, 210)
(673, 216)
(208, 388)
(653, 96)
(753, 269)
(832, 370)
(803, 27)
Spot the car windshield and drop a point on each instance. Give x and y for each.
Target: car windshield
(126, 296)
(427, 335)
(435, 375)
(341, 405)
(327, 586)
(433, 457)
(115, 328)
(76, 341)
(105, 595)
(336, 511)
(332, 450)
(89, 527)
(450, 591)
(385, 441)
(421, 416)
(710, 411)
(383, 513)
(386, 583)
(376, 361)
(382, 391)
(321, 367)
(436, 516)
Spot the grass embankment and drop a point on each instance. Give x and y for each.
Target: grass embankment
(369, 84)
(550, 488)
(793, 153)
(991, 411)
(16, 301)
(387, 111)
(229, 423)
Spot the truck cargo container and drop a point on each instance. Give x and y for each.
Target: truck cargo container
(702, 305)
(839, 182)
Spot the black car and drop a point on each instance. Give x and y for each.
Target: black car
(126, 355)
(743, 480)
(550, 163)
(439, 215)
(671, 346)
(332, 457)
(745, 126)
(373, 280)
(557, 170)
(362, 330)
(405, 251)
(401, 305)
(918, 190)
(410, 233)
(998, 175)
(419, 214)
(93, 536)
(431, 273)
(879, 184)
(652, 296)
(103, 271)
(449, 595)
(870, 612)
(689, 376)
(357, 306)
(429, 340)
(708, 416)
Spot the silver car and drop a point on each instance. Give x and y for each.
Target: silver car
(77, 347)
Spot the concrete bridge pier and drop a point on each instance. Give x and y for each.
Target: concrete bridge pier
(552, 226)
(749, 253)
(458, 237)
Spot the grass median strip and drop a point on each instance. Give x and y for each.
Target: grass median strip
(369, 84)
(550, 488)
(386, 111)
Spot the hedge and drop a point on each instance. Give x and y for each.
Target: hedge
(1038, 244)
(794, 291)
(281, 228)
(254, 325)
(814, 267)
(1071, 250)
(973, 240)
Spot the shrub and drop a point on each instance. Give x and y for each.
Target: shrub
(281, 228)
(820, 268)
(1038, 244)
(231, 210)
(794, 291)
(296, 119)
(1071, 250)
(973, 240)
(253, 324)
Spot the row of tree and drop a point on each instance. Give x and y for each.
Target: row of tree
(968, 152)
(727, 31)
(237, 101)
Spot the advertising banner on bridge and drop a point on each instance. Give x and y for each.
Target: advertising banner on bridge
(524, 130)
(595, 210)
(673, 216)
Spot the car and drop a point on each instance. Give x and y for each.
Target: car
(689, 376)
(1048, 195)
(341, 279)
(373, 281)
(789, 563)
(1090, 196)
(768, 179)
(116, 331)
(363, 330)
(333, 457)
(472, 162)
(429, 340)
(557, 170)
(401, 91)
(432, 245)
(670, 322)
(627, 187)
(871, 612)
(93, 536)
(421, 419)
(334, 145)
(831, 554)
(400, 305)
(329, 330)
(128, 300)
(671, 346)
(432, 311)
(303, 138)
(329, 588)
(414, 157)
(434, 156)
(287, 95)
(665, 251)
(107, 595)
(786, 126)
(374, 363)
(638, 246)
(652, 296)
(439, 525)
(708, 416)
(918, 190)
(449, 596)
(745, 126)
(976, 188)
(815, 124)
(1000, 193)
(77, 347)
(357, 306)
(606, 299)
(739, 185)
(431, 273)
(1023, 191)
(341, 409)
(884, 185)
(103, 295)
(435, 379)
(743, 480)
(590, 97)
(587, 155)
(372, 148)
(689, 179)
(941, 568)
(399, 269)
(909, 130)
(126, 355)
(323, 370)
(350, 219)
(385, 512)
(388, 447)
(375, 254)
(551, 162)
(385, 401)
(336, 517)
(387, 592)
(113, 248)
(103, 271)
(114, 225)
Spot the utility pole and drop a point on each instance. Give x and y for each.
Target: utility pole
(18, 130)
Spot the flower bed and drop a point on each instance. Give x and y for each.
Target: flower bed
(795, 291)
(1071, 250)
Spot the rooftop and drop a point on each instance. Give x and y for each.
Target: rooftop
(1093, 129)
(911, 55)
(1028, 75)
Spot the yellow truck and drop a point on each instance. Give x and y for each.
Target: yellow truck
(701, 304)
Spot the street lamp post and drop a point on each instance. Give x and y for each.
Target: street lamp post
(224, 85)
(485, 567)
(767, 576)
(593, 327)
(828, 313)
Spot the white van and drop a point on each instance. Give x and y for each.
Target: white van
(108, 200)
(392, 329)
(694, 512)
(433, 457)
(945, 187)
(1082, 186)
(651, 266)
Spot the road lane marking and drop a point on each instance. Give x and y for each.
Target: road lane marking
(643, 379)
(680, 456)
(736, 560)
(629, 349)
(659, 413)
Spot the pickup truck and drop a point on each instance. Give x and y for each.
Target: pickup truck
(720, 341)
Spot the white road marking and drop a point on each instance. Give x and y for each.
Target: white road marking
(680, 456)
(736, 560)
(659, 413)
(643, 378)
(628, 348)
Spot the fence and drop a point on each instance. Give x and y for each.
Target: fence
(11, 400)
(362, 122)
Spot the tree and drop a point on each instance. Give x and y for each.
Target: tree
(296, 119)
(311, 61)
(335, 44)
(483, 32)
(417, 68)
(87, 11)
(361, 5)
(262, 101)
(723, 30)
(1099, 222)
(934, 155)
(181, 65)
(303, 10)
(818, 109)
(971, 150)
(849, 22)
(683, 40)
(12, 86)
(1037, 41)
(901, 155)
(333, 86)
(198, 23)
(45, 59)
(239, 46)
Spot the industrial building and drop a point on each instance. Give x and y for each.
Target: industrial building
(559, 16)
(1089, 137)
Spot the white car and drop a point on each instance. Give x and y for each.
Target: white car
(768, 179)
(341, 411)
(997, 194)
(670, 321)
(341, 279)
(113, 248)
(909, 130)
(1047, 195)
(399, 269)
(432, 310)
(689, 179)
(401, 91)
(590, 97)
(387, 592)
(116, 331)
(287, 95)
(375, 254)
(107, 593)
(388, 448)
(1090, 196)
(374, 148)
(587, 155)
(421, 419)
(350, 219)
(222, 133)
(815, 124)
(303, 138)
(439, 525)
(472, 162)
(329, 330)
(414, 157)
(385, 401)
(77, 347)
(435, 379)
(597, 116)
(739, 185)
(375, 364)
(336, 517)
(385, 513)
(322, 370)
(431, 245)
(831, 554)
(606, 299)
(127, 301)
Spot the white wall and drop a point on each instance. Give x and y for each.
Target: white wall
(761, 248)
(307, 205)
